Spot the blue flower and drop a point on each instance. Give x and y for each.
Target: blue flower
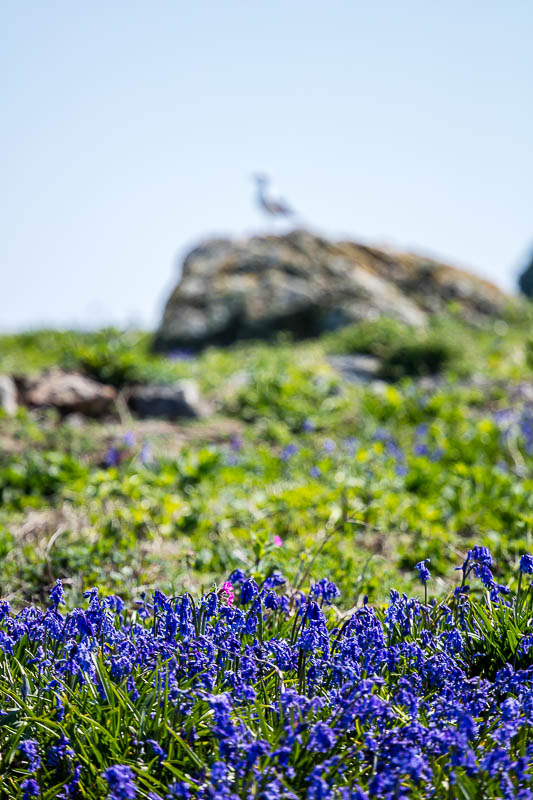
(30, 789)
(237, 576)
(59, 751)
(423, 572)
(57, 594)
(326, 590)
(120, 781)
(146, 456)
(129, 439)
(288, 451)
(481, 555)
(112, 458)
(273, 580)
(5, 609)
(30, 750)
(158, 750)
(322, 738)
(218, 773)
(249, 590)
(526, 564)
(484, 573)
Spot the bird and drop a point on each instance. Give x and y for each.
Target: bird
(275, 207)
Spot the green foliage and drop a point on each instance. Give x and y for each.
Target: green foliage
(415, 359)
(371, 337)
(117, 359)
(283, 395)
(309, 446)
(404, 351)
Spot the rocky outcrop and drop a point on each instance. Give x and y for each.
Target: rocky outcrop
(176, 401)
(76, 396)
(305, 284)
(69, 393)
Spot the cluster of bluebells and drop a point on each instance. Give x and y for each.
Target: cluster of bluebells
(479, 562)
(330, 453)
(269, 696)
(422, 447)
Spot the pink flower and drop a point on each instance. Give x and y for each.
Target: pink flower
(227, 590)
(278, 541)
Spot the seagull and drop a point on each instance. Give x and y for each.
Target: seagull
(271, 205)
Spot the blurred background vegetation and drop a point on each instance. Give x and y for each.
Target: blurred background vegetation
(360, 480)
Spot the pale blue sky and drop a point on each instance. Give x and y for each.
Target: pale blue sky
(130, 130)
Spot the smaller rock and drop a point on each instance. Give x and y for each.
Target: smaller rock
(357, 369)
(175, 401)
(75, 420)
(525, 281)
(70, 393)
(8, 395)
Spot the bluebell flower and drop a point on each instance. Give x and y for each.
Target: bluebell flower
(57, 594)
(120, 781)
(526, 564)
(484, 573)
(249, 590)
(112, 457)
(237, 576)
(30, 750)
(322, 738)
(423, 572)
(288, 451)
(274, 579)
(6, 644)
(497, 589)
(218, 772)
(179, 790)
(326, 590)
(5, 609)
(58, 752)
(30, 789)
(481, 555)
(157, 749)
(146, 455)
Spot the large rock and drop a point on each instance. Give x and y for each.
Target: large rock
(179, 400)
(305, 284)
(69, 393)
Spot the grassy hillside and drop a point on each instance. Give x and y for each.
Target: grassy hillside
(359, 482)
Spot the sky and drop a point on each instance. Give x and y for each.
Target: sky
(131, 130)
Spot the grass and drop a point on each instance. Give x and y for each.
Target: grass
(421, 470)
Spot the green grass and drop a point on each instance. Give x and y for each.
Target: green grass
(206, 504)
